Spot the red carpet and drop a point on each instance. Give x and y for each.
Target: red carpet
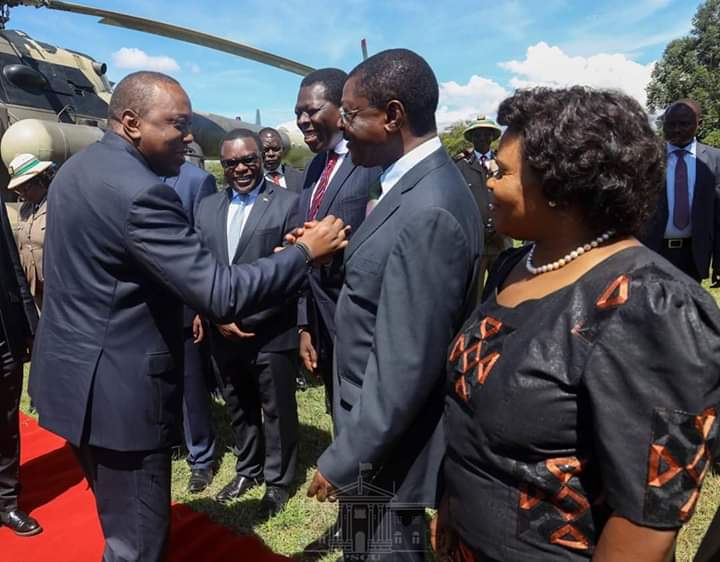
(56, 493)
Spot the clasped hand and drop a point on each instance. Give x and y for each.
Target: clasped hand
(322, 238)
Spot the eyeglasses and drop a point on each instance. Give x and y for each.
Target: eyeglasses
(247, 161)
(347, 115)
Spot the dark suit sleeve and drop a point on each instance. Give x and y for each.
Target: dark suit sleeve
(716, 215)
(159, 238)
(423, 287)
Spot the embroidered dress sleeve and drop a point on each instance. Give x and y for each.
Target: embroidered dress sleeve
(652, 381)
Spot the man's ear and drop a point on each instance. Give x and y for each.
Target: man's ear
(131, 124)
(396, 116)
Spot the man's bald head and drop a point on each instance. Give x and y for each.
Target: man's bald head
(137, 92)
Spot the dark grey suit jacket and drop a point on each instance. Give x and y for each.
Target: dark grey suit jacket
(192, 185)
(120, 260)
(346, 197)
(704, 217)
(409, 281)
(269, 220)
(293, 178)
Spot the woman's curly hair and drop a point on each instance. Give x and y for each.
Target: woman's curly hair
(593, 150)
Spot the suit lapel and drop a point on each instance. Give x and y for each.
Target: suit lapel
(221, 225)
(477, 165)
(334, 188)
(256, 213)
(704, 184)
(391, 201)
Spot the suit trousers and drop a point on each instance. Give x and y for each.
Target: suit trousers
(132, 495)
(10, 388)
(682, 258)
(259, 393)
(364, 532)
(197, 419)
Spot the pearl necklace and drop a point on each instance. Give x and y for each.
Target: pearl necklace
(577, 252)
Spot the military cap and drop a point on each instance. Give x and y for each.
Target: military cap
(25, 167)
(481, 122)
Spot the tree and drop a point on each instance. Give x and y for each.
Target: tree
(453, 139)
(690, 68)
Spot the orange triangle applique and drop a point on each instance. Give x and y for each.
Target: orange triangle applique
(489, 327)
(656, 476)
(485, 366)
(570, 537)
(616, 293)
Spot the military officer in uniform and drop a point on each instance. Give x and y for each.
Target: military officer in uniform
(475, 169)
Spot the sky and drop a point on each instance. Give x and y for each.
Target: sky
(480, 50)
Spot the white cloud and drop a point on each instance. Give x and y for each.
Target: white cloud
(137, 59)
(550, 66)
(459, 102)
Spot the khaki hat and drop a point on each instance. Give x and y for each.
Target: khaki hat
(482, 122)
(25, 167)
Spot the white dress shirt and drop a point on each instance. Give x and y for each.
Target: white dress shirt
(402, 166)
(690, 157)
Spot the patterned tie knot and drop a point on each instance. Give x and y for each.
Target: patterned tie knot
(680, 152)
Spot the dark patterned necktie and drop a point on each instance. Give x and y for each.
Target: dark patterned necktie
(681, 211)
(322, 185)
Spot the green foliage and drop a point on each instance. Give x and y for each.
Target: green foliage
(453, 139)
(690, 68)
(213, 167)
(298, 157)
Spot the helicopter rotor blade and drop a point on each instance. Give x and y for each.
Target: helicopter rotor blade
(174, 32)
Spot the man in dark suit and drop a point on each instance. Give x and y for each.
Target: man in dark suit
(120, 260)
(18, 320)
(334, 185)
(685, 228)
(275, 171)
(192, 185)
(475, 169)
(410, 278)
(255, 354)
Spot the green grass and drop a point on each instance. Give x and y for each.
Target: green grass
(304, 519)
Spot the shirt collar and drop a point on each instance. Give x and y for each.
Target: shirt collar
(488, 155)
(400, 167)
(691, 148)
(246, 198)
(340, 147)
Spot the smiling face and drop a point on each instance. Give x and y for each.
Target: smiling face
(520, 209)
(242, 164)
(317, 118)
(163, 133)
(364, 128)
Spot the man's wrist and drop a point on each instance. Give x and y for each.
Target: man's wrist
(305, 250)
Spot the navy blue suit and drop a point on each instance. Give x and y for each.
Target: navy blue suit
(107, 365)
(410, 277)
(346, 197)
(193, 184)
(293, 178)
(258, 373)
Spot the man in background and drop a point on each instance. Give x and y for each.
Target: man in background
(410, 279)
(275, 171)
(685, 229)
(333, 185)
(475, 169)
(193, 184)
(255, 354)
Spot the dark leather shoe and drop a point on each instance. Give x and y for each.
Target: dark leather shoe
(21, 523)
(236, 488)
(273, 501)
(200, 478)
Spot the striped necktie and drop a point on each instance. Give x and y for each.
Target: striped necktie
(322, 185)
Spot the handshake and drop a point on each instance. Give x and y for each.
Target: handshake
(318, 239)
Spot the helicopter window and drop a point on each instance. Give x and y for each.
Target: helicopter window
(66, 86)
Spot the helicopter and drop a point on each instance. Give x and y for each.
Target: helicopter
(54, 101)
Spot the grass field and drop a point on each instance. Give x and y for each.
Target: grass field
(304, 520)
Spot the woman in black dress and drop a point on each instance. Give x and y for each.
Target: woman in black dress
(583, 392)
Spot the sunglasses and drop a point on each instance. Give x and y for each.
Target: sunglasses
(247, 161)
